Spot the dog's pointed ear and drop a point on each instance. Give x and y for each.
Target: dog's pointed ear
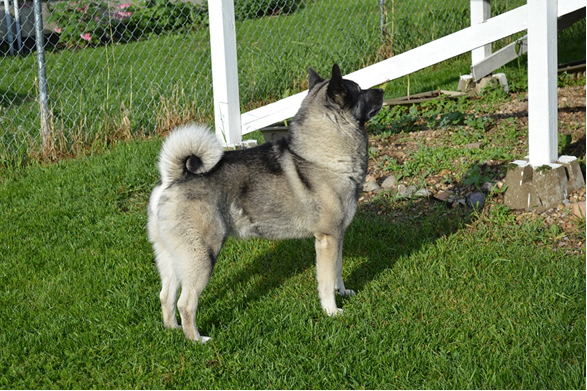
(336, 89)
(314, 78)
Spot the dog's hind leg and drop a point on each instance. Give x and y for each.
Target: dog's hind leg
(197, 265)
(170, 285)
(169, 280)
(327, 249)
(340, 289)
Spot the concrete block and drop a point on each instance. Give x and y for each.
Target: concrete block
(520, 193)
(468, 84)
(274, 133)
(573, 171)
(541, 187)
(550, 183)
(245, 144)
(465, 82)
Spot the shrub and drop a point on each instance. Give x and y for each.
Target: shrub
(158, 16)
(81, 24)
(90, 23)
(249, 9)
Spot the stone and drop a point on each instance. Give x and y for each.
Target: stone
(473, 145)
(488, 187)
(476, 199)
(423, 193)
(389, 182)
(406, 192)
(578, 209)
(442, 196)
(370, 186)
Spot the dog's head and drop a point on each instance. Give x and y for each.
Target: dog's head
(346, 95)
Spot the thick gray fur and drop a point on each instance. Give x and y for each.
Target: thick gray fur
(306, 184)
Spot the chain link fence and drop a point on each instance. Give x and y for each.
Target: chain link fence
(120, 69)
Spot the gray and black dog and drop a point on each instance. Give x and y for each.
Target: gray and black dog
(305, 184)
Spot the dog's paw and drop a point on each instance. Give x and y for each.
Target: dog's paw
(333, 312)
(203, 339)
(345, 292)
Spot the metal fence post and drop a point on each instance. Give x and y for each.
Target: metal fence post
(43, 96)
(382, 20)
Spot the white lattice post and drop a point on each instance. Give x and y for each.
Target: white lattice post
(542, 82)
(224, 71)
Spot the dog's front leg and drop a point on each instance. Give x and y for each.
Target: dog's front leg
(340, 289)
(327, 250)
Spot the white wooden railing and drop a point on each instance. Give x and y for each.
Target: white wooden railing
(539, 17)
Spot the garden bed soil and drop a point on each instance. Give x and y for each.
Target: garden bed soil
(435, 189)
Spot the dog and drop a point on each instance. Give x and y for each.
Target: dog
(305, 184)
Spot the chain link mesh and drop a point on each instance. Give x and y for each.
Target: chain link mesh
(118, 69)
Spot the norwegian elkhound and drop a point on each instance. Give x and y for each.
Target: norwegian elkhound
(305, 184)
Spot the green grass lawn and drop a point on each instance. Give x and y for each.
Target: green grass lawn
(445, 298)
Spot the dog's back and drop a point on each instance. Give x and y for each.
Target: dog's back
(267, 192)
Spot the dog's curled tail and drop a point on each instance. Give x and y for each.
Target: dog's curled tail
(191, 147)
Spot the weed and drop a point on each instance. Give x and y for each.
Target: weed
(564, 141)
(500, 214)
(476, 177)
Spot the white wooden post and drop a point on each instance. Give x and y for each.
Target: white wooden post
(480, 12)
(224, 71)
(542, 82)
(544, 180)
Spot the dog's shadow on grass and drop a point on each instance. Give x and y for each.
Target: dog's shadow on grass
(373, 243)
